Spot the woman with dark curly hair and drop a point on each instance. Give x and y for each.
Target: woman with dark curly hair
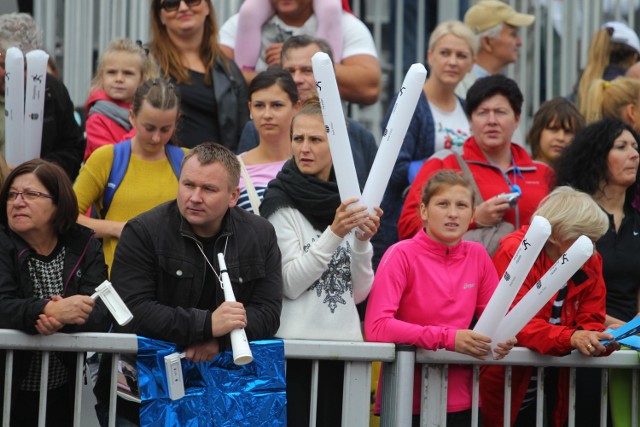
(603, 161)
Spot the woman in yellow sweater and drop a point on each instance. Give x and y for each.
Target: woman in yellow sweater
(150, 178)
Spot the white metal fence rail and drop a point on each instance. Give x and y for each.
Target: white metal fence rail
(356, 395)
(11, 340)
(398, 367)
(434, 374)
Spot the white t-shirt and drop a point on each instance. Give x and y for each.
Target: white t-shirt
(452, 128)
(357, 39)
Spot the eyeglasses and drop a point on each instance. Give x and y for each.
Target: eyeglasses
(173, 5)
(29, 196)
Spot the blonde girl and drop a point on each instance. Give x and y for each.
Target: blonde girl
(122, 68)
(618, 99)
(613, 49)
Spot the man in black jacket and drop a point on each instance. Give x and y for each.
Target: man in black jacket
(166, 269)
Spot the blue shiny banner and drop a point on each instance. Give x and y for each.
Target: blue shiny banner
(218, 393)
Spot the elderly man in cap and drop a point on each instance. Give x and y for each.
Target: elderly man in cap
(497, 26)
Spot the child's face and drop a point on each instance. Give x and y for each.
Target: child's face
(121, 76)
(553, 140)
(447, 215)
(154, 128)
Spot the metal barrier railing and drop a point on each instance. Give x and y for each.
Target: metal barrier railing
(358, 356)
(398, 371)
(434, 384)
(11, 340)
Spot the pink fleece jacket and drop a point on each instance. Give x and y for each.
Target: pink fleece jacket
(423, 292)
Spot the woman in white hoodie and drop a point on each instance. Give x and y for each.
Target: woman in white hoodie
(326, 261)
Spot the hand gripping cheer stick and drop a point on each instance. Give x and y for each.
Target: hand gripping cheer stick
(114, 303)
(514, 276)
(544, 289)
(239, 343)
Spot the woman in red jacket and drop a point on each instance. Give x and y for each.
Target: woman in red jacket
(572, 319)
(493, 106)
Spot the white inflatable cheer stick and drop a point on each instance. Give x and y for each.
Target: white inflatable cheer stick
(336, 126)
(239, 343)
(34, 103)
(394, 136)
(14, 106)
(114, 303)
(518, 269)
(175, 381)
(559, 273)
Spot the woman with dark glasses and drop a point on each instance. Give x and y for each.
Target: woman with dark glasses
(49, 267)
(212, 89)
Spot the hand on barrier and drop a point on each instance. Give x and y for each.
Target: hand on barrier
(472, 344)
(202, 351)
(504, 348)
(588, 342)
(46, 325)
(73, 310)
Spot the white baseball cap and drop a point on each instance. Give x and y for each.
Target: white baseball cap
(623, 34)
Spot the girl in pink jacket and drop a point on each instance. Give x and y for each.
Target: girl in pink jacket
(428, 289)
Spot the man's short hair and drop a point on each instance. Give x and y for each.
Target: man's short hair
(487, 14)
(19, 30)
(301, 41)
(210, 152)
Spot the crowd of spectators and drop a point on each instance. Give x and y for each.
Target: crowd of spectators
(209, 139)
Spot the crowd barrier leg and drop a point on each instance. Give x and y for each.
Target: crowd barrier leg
(8, 379)
(77, 403)
(355, 396)
(397, 391)
(44, 387)
(434, 385)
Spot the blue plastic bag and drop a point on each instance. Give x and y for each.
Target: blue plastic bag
(218, 393)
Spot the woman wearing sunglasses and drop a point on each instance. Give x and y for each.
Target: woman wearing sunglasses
(212, 89)
(49, 267)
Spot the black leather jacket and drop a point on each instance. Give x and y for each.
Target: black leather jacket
(84, 269)
(159, 272)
